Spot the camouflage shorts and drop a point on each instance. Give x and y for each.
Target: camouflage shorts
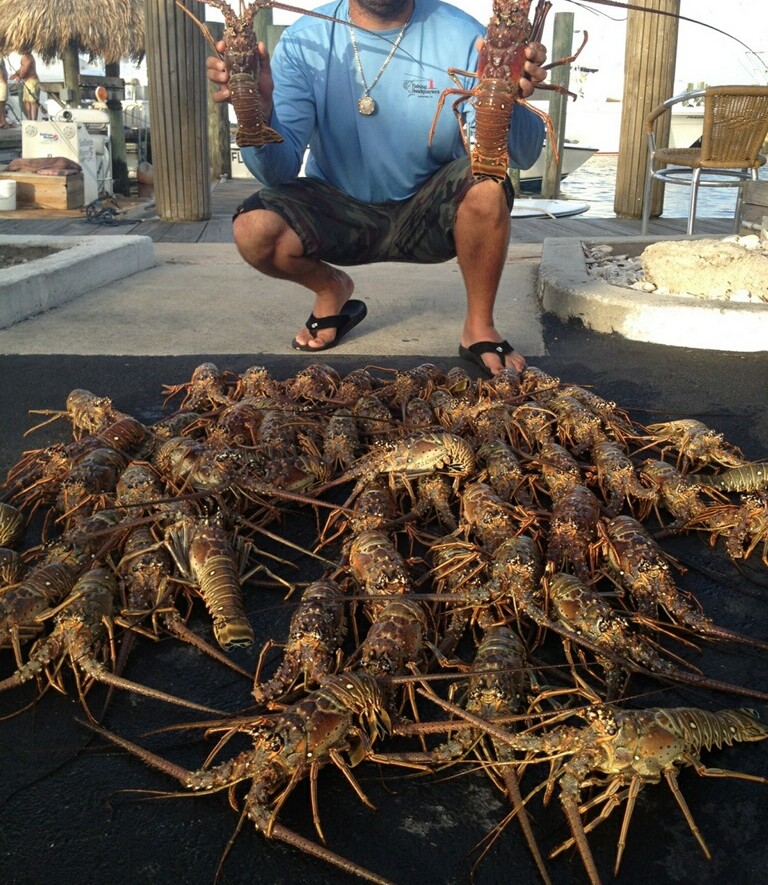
(338, 229)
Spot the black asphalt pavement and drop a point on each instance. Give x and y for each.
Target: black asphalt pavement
(75, 811)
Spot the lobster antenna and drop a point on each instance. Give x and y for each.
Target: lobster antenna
(635, 7)
(272, 4)
(269, 4)
(196, 20)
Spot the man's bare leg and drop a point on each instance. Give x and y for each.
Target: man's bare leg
(482, 240)
(266, 242)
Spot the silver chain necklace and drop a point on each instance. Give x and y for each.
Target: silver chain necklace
(365, 104)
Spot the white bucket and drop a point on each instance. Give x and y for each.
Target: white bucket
(7, 196)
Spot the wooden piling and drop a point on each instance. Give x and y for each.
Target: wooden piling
(178, 108)
(562, 47)
(219, 149)
(649, 78)
(70, 60)
(119, 155)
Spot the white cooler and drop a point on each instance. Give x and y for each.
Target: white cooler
(54, 138)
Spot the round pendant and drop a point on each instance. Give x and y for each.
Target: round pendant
(366, 105)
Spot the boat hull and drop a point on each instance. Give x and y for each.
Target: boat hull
(591, 122)
(574, 156)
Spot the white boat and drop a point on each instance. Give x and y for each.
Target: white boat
(594, 116)
(574, 156)
(687, 125)
(599, 122)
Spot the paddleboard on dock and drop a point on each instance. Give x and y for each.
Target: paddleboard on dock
(525, 208)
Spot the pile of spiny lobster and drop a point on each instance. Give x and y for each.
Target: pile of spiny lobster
(485, 581)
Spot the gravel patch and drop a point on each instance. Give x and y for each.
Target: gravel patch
(627, 271)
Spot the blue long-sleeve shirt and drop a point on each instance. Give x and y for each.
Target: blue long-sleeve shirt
(385, 156)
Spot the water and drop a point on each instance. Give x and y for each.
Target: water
(595, 183)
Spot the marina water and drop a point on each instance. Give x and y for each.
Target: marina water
(595, 183)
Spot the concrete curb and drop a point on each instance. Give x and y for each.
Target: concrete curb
(84, 264)
(679, 320)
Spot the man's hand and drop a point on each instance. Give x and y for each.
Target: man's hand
(536, 56)
(218, 74)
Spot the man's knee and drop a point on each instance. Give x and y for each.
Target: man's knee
(259, 235)
(485, 203)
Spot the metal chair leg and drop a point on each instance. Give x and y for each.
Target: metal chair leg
(694, 196)
(737, 210)
(740, 200)
(647, 198)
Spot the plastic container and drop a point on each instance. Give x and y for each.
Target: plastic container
(7, 196)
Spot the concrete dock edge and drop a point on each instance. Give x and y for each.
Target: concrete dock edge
(81, 265)
(568, 291)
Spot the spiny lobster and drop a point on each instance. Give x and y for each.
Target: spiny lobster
(501, 64)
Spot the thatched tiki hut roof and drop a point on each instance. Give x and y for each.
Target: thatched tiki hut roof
(109, 29)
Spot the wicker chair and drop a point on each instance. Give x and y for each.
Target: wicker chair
(735, 128)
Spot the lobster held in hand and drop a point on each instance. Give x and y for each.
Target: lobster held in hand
(501, 64)
(242, 59)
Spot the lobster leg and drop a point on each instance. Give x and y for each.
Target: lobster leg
(96, 671)
(283, 834)
(612, 797)
(566, 60)
(512, 785)
(634, 789)
(671, 777)
(571, 811)
(463, 94)
(339, 762)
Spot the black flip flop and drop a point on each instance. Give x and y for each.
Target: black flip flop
(474, 353)
(353, 312)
